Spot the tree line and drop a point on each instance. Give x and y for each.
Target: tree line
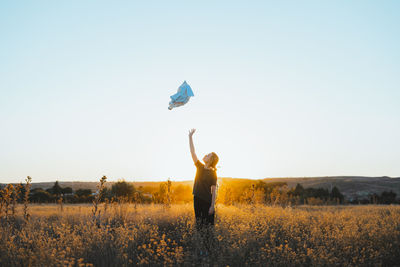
(229, 193)
(278, 193)
(118, 191)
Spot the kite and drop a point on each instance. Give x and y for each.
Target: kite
(181, 97)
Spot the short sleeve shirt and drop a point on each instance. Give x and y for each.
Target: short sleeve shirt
(203, 181)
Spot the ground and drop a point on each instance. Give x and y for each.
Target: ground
(129, 235)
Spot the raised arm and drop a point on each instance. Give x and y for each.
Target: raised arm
(194, 157)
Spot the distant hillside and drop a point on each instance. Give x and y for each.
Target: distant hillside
(350, 186)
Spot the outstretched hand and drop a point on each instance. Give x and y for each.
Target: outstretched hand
(191, 132)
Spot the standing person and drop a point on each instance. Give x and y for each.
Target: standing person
(204, 189)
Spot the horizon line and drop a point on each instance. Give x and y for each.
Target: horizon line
(188, 180)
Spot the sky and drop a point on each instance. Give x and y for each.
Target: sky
(281, 88)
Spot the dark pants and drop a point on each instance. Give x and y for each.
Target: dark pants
(201, 208)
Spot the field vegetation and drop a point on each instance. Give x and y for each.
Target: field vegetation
(122, 232)
(231, 191)
(155, 235)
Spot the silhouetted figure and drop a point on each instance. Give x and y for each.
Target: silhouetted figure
(204, 189)
(204, 193)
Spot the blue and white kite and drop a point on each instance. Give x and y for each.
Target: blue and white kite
(181, 97)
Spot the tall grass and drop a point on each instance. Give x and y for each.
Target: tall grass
(6, 200)
(153, 235)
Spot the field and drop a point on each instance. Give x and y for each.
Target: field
(154, 235)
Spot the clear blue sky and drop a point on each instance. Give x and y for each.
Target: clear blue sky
(282, 88)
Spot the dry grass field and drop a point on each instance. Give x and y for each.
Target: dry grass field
(157, 235)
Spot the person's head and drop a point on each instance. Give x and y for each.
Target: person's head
(211, 160)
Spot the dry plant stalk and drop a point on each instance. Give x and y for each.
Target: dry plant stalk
(97, 199)
(60, 203)
(121, 209)
(15, 195)
(136, 200)
(28, 181)
(166, 199)
(106, 203)
(1, 203)
(9, 199)
(7, 192)
(169, 185)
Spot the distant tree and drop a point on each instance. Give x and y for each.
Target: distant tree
(296, 195)
(279, 196)
(374, 198)
(123, 189)
(316, 193)
(387, 197)
(55, 190)
(106, 194)
(83, 192)
(260, 185)
(272, 191)
(39, 195)
(269, 187)
(322, 193)
(22, 191)
(299, 190)
(336, 195)
(82, 196)
(66, 190)
(161, 195)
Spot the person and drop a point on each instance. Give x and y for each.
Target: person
(204, 188)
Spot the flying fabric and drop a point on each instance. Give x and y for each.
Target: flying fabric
(181, 97)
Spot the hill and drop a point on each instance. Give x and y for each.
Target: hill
(351, 186)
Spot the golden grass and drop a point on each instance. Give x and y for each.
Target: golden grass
(154, 235)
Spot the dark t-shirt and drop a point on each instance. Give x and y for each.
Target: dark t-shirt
(203, 181)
